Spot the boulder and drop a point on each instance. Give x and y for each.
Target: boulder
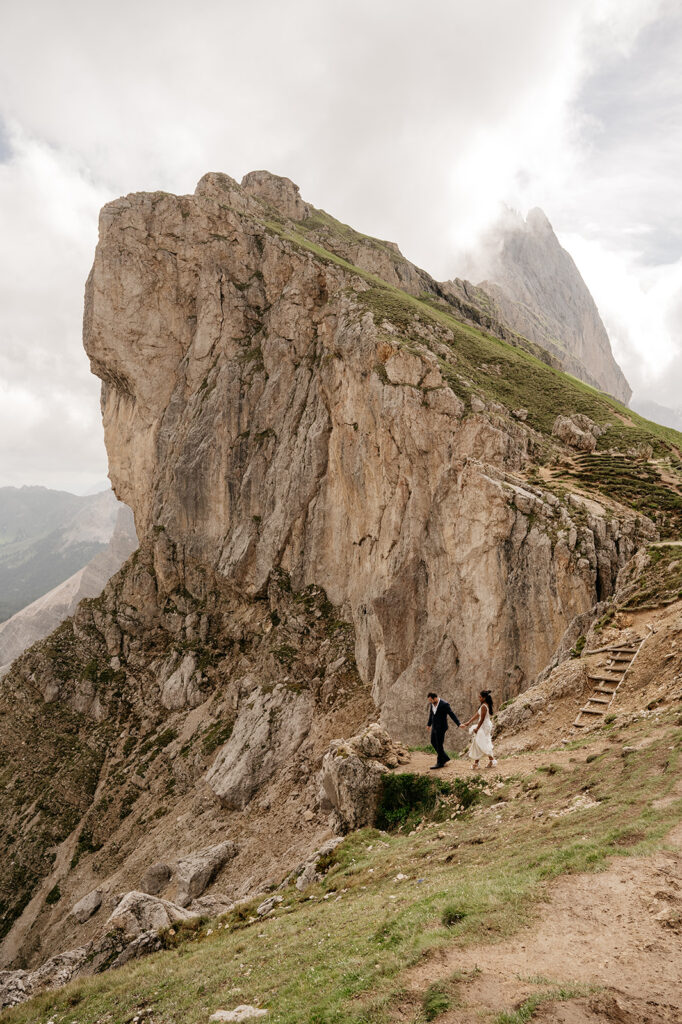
(268, 905)
(568, 430)
(350, 779)
(86, 907)
(196, 871)
(211, 906)
(156, 878)
(139, 912)
(242, 1012)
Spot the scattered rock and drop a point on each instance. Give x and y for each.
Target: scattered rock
(268, 905)
(313, 869)
(86, 907)
(242, 1012)
(196, 872)
(156, 878)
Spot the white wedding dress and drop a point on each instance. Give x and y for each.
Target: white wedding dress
(482, 741)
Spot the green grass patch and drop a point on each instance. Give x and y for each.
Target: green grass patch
(435, 1001)
(453, 914)
(54, 895)
(406, 798)
(526, 1011)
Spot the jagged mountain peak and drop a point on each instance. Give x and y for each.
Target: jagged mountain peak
(538, 291)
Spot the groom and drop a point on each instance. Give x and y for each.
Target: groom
(438, 724)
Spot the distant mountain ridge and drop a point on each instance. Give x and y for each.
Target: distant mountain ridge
(658, 413)
(536, 289)
(39, 618)
(45, 537)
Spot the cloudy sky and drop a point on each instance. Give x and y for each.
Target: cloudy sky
(410, 121)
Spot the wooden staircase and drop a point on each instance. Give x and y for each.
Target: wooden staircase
(608, 678)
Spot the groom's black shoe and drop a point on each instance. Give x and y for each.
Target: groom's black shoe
(435, 767)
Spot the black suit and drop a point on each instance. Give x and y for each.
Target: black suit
(438, 720)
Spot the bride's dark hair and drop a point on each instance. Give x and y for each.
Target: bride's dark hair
(488, 699)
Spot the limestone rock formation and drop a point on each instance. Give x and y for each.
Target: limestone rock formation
(350, 779)
(156, 878)
(17, 986)
(282, 424)
(269, 729)
(87, 906)
(537, 290)
(195, 872)
(577, 431)
(138, 912)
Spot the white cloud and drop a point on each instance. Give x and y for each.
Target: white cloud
(49, 404)
(412, 122)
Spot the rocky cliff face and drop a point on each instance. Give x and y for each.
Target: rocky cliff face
(344, 497)
(537, 290)
(259, 414)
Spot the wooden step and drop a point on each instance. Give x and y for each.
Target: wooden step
(599, 700)
(602, 689)
(591, 711)
(604, 679)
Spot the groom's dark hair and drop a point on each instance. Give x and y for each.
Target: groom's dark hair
(432, 694)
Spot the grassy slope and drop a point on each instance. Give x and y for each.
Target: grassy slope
(338, 960)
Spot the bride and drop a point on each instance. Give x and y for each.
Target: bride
(481, 731)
